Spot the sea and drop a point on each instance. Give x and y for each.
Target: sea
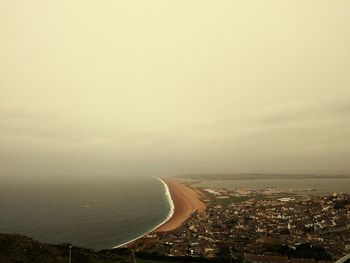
(91, 213)
(102, 213)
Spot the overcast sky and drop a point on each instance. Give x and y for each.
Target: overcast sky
(171, 87)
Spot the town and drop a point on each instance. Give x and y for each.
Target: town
(260, 225)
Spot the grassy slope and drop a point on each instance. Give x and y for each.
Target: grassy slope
(21, 249)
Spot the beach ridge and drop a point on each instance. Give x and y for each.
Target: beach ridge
(186, 202)
(183, 202)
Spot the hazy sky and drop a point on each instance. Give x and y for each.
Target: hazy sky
(170, 87)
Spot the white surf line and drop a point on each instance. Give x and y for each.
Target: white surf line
(171, 213)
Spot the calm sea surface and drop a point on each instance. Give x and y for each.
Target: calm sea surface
(94, 214)
(105, 213)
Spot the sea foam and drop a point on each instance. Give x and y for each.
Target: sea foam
(171, 213)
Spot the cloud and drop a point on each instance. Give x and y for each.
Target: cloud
(300, 111)
(20, 114)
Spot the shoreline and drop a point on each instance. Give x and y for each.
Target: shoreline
(186, 202)
(169, 216)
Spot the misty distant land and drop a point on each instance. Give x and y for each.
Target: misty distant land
(258, 176)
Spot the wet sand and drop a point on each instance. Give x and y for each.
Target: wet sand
(186, 201)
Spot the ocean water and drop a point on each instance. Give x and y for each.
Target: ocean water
(90, 213)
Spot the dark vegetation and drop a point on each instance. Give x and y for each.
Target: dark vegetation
(305, 251)
(154, 257)
(341, 204)
(20, 249)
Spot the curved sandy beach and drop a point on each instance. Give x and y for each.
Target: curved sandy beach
(186, 202)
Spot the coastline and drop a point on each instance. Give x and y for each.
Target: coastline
(183, 202)
(186, 202)
(169, 216)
